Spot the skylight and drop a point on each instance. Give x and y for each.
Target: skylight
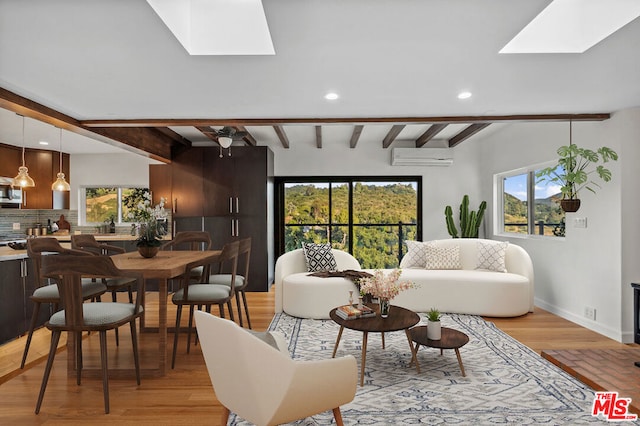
(573, 26)
(217, 27)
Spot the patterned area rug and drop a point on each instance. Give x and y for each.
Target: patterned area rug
(506, 383)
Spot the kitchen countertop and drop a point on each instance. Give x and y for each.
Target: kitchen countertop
(7, 253)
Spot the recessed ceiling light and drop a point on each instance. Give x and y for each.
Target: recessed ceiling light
(331, 96)
(43, 143)
(464, 95)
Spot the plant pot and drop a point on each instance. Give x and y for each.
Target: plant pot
(148, 252)
(434, 330)
(571, 205)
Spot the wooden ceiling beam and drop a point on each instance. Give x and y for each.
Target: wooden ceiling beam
(392, 135)
(467, 133)
(343, 120)
(318, 137)
(355, 136)
(140, 140)
(249, 139)
(431, 132)
(284, 140)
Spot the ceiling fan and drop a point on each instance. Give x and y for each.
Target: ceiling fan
(227, 135)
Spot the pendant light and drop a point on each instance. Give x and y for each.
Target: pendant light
(22, 179)
(225, 142)
(60, 184)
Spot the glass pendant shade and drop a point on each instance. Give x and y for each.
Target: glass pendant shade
(22, 179)
(60, 184)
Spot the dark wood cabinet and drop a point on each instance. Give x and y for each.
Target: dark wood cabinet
(40, 164)
(17, 282)
(186, 184)
(43, 168)
(234, 201)
(10, 160)
(160, 184)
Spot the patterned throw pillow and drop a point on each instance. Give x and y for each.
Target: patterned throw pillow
(491, 255)
(319, 257)
(416, 256)
(443, 257)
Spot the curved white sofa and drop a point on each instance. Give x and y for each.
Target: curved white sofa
(465, 291)
(303, 296)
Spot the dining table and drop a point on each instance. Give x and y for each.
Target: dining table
(163, 267)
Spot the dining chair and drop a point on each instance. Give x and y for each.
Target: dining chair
(242, 279)
(265, 386)
(87, 242)
(204, 294)
(191, 240)
(77, 316)
(46, 293)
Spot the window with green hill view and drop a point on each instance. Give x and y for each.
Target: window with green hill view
(544, 217)
(369, 218)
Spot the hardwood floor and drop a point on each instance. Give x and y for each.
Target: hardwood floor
(185, 395)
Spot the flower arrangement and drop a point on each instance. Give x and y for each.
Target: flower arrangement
(384, 286)
(149, 230)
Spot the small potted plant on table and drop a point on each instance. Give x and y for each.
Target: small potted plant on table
(434, 328)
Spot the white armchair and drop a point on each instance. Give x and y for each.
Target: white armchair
(262, 384)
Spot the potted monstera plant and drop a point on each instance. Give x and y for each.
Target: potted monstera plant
(575, 170)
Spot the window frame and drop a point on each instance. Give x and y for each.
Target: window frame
(82, 203)
(279, 208)
(498, 204)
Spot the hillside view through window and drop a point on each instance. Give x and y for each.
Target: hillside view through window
(370, 219)
(547, 218)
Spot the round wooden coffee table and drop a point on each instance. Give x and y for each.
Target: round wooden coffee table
(451, 339)
(398, 319)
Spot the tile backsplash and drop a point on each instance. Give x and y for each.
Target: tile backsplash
(28, 218)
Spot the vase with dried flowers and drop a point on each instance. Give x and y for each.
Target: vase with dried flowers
(384, 287)
(149, 228)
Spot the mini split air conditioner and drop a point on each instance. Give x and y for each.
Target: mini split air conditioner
(421, 157)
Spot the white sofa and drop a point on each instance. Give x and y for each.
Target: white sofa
(465, 291)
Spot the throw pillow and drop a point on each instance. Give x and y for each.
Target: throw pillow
(443, 257)
(319, 257)
(416, 256)
(491, 255)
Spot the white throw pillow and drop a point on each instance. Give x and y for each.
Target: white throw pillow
(416, 256)
(443, 257)
(491, 255)
(319, 257)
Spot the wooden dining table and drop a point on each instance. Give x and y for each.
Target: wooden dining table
(162, 267)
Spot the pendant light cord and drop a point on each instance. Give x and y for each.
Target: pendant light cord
(23, 141)
(60, 149)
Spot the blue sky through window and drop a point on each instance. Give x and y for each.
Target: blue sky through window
(517, 186)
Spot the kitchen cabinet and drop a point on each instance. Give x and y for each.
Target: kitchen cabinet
(10, 160)
(232, 199)
(160, 184)
(43, 168)
(186, 184)
(17, 282)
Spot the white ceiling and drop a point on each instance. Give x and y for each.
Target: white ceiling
(386, 58)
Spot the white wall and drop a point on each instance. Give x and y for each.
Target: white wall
(587, 267)
(441, 185)
(107, 170)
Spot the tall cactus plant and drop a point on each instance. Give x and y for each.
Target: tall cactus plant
(469, 220)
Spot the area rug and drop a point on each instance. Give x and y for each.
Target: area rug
(506, 383)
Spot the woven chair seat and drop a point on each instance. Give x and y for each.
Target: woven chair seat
(203, 293)
(98, 314)
(51, 291)
(225, 279)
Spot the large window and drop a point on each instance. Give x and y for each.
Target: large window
(369, 218)
(100, 204)
(527, 206)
